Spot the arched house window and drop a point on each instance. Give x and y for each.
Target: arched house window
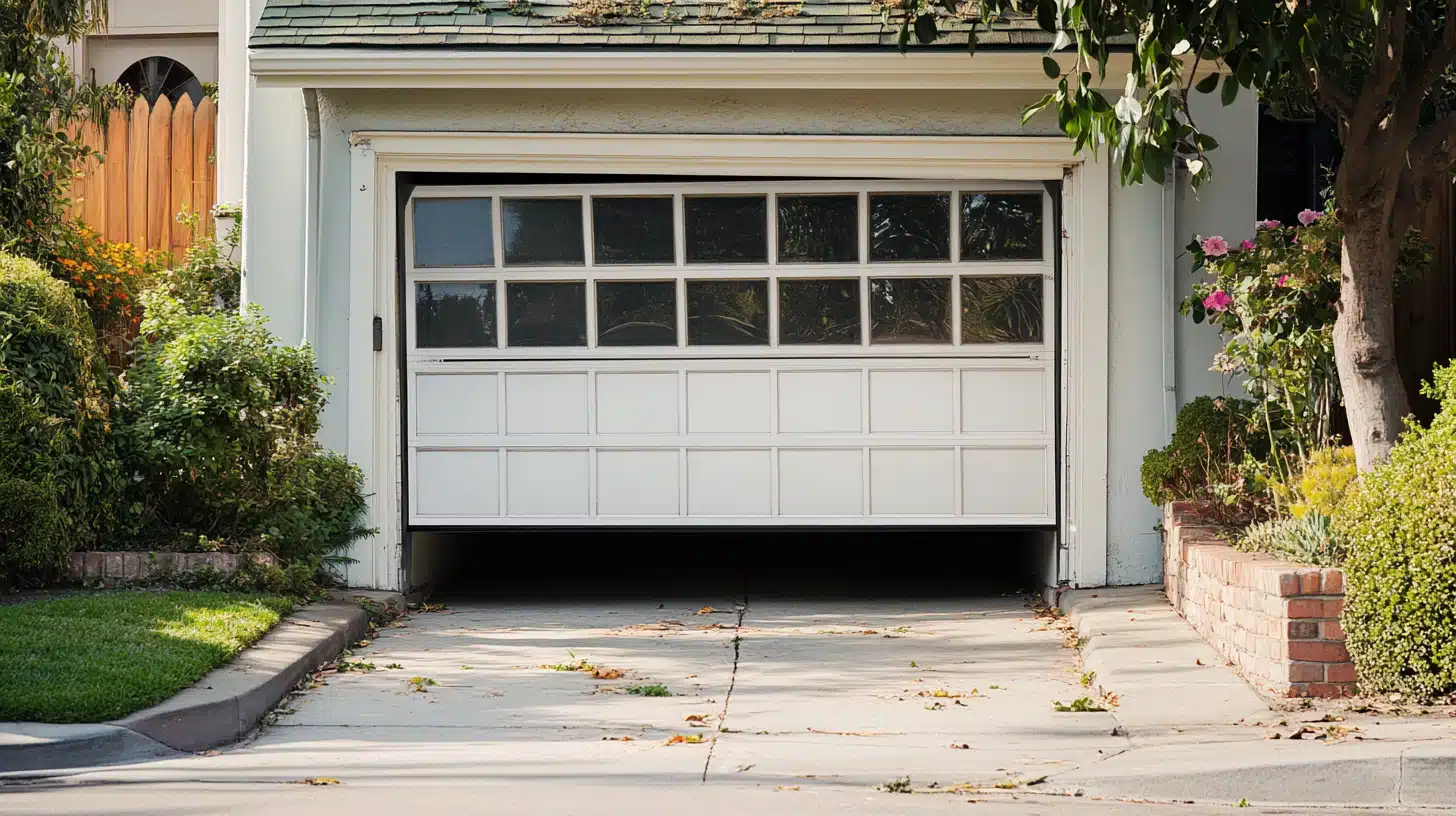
(154, 77)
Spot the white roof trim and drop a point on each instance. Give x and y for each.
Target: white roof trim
(933, 157)
(428, 68)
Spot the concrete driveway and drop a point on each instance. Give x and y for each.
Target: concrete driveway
(792, 693)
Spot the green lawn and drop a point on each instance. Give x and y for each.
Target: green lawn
(99, 657)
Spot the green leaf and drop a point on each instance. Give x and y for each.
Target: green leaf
(1046, 14)
(925, 29)
(1205, 142)
(1050, 67)
(1230, 90)
(1208, 84)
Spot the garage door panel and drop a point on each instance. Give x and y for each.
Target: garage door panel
(637, 403)
(912, 482)
(1006, 481)
(821, 482)
(912, 401)
(456, 404)
(546, 403)
(637, 482)
(729, 402)
(817, 402)
(1004, 401)
(730, 482)
(726, 375)
(547, 482)
(457, 483)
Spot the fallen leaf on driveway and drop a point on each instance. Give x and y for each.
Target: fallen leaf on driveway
(961, 746)
(607, 674)
(685, 739)
(700, 719)
(935, 706)
(707, 610)
(786, 787)
(619, 739)
(319, 780)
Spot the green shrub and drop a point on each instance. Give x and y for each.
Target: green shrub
(1307, 539)
(55, 411)
(1400, 575)
(32, 535)
(1326, 479)
(1208, 449)
(221, 425)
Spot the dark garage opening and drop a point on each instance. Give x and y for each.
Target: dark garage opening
(608, 563)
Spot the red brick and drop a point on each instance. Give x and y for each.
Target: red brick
(1303, 629)
(1309, 583)
(95, 565)
(1306, 672)
(1288, 584)
(1318, 651)
(1334, 607)
(1332, 630)
(113, 567)
(1331, 690)
(1334, 583)
(1306, 608)
(130, 566)
(1340, 672)
(78, 566)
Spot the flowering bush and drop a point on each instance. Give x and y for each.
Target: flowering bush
(108, 276)
(1273, 298)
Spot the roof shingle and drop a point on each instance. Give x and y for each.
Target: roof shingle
(610, 23)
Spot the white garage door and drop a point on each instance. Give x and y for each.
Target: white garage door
(739, 353)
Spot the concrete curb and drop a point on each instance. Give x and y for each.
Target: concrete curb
(219, 709)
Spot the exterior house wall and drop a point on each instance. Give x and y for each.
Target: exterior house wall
(1141, 327)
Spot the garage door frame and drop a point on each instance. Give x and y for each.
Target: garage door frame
(376, 362)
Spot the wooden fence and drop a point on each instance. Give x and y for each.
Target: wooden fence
(158, 161)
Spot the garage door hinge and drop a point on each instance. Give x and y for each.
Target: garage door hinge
(378, 333)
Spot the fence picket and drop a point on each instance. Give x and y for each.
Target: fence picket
(136, 174)
(159, 177)
(204, 161)
(114, 185)
(181, 174)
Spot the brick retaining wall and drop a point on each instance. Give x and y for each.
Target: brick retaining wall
(111, 568)
(1278, 622)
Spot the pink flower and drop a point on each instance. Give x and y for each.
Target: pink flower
(1267, 223)
(1217, 301)
(1246, 244)
(1307, 217)
(1215, 246)
(1283, 281)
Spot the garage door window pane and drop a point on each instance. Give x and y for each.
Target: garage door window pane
(728, 313)
(910, 227)
(819, 312)
(818, 229)
(1001, 309)
(632, 230)
(542, 231)
(910, 310)
(546, 314)
(454, 315)
(1001, 227)
(726, 229)
(637, 314)
(453, 232)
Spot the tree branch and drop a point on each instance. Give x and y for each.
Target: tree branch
(1386, 57)
(1420, 82)
(1327, 91)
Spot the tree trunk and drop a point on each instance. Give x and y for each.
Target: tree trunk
(1375, 398)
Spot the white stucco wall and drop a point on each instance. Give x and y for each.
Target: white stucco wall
(1141, 331)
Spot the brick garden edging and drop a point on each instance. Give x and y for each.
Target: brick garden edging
(111, 568)
(1277, 621)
